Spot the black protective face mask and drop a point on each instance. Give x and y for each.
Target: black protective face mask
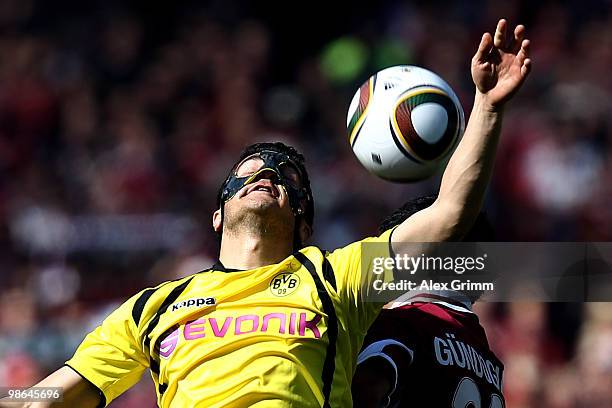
(283, 171)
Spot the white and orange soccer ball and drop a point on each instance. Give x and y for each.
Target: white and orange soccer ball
(404, 122)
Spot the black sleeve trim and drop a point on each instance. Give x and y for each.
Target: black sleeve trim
(329, 365)
(102, 403)
(172, 296)
(140, 304)
(328, 273)
(392, 254)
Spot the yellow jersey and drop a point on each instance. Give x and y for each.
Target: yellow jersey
(279, 335)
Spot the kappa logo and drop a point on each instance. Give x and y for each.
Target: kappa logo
(284, 284)
(194, 302)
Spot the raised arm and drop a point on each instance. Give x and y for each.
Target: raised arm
(76, 391)
(499, 68)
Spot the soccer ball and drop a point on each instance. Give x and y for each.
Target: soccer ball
(404, 122)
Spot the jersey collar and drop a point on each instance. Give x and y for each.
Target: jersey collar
(218, 266)
(449, 298)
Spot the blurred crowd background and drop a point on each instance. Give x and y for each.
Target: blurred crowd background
(119, 121)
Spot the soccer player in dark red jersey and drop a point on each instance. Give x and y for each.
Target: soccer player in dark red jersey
(428, 349)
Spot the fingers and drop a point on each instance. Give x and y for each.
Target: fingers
(526, 67)
(500, 34)
(523, 57)
(519, 35)
(484, 47)
(506, 43)
(523, 53)
(517, 44)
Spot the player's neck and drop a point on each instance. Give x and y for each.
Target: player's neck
(248, 250)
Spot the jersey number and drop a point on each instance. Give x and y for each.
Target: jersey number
(468, 396)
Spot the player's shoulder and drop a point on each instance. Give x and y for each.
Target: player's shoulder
(317, 260)
(414, 309)
(146, 302)
(313, 252)
(388, 318)
(431, 315)
(382, 240)
(439, 309)
(441, 317)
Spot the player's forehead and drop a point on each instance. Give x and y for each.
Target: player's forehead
(255, 161)
(251, 162)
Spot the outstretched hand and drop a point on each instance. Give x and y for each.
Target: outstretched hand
(501, 64)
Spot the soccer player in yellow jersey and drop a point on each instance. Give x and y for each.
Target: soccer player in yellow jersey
(275, 323)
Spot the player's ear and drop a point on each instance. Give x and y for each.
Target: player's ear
(217, 221)
(305, 231)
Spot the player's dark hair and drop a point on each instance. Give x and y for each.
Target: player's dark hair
(296, 157)
(481, 231)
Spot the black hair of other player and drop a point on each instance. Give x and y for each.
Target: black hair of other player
(297, 158)
(481, 231)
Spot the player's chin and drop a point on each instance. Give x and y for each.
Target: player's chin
(263, 203)
(261, 199)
